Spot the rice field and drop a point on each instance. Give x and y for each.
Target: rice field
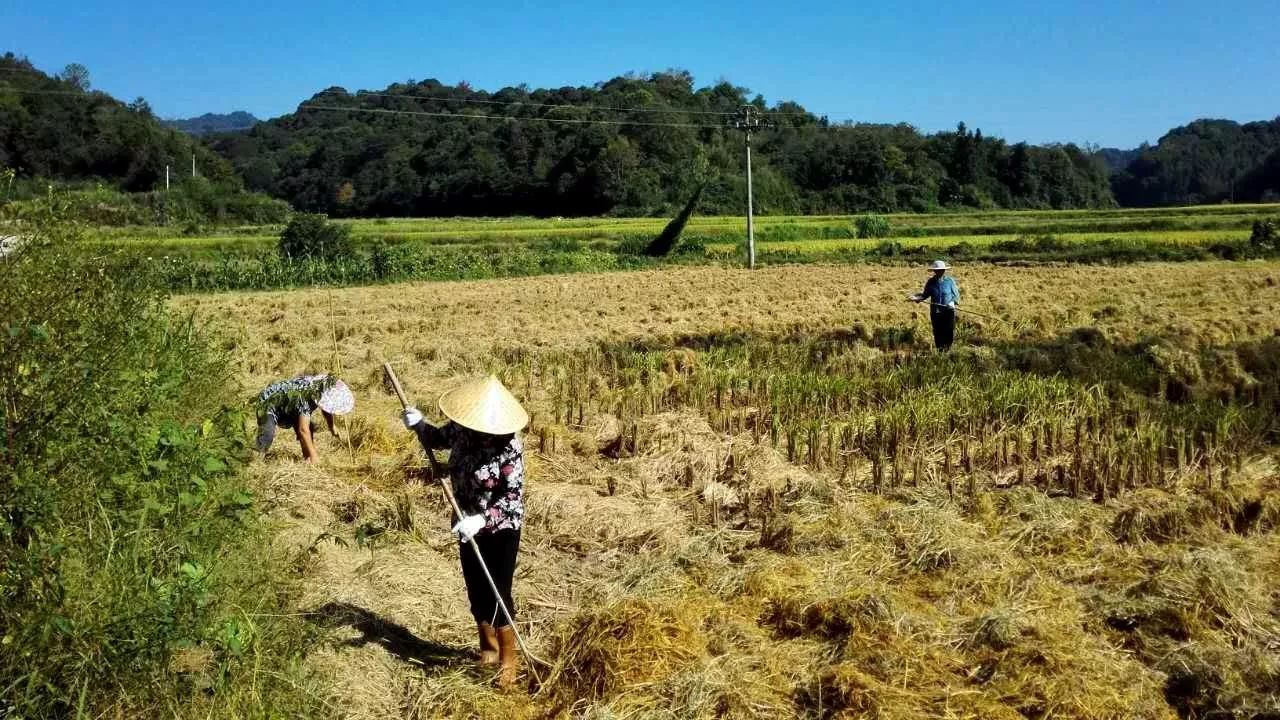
(762, 494)
(945, 242)
(816, 234)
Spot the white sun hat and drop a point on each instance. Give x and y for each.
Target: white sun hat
(337, 400)
(484, 405)
(939, 265)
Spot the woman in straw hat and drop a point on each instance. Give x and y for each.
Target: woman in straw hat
(486, 463)
(290, 404)
(943, 294)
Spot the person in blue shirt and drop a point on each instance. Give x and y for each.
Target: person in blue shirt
(942, 293)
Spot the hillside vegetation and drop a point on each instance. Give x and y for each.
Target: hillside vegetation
(416, 148)
(58, 131)
(60, 128)
(368, 154)
(630, 146)
(1207, 161)
(134, 579)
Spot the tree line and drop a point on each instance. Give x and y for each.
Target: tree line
(634, 145)
(417, 148)
(57, 127)
(1206, 161)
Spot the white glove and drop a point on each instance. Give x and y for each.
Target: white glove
(467, 527)
(951, 305)
(915, 298)
(412, 417)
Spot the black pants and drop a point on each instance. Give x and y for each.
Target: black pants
(499, 550)
(944, 327)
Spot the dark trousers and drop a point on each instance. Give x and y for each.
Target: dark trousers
(499, 550)
(944, 327)
(267, 425)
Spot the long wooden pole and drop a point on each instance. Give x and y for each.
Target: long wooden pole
(443, 477)
(968, 311)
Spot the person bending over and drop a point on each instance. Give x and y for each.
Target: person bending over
(291, 403)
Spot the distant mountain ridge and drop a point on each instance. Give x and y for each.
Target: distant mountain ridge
(214, 123)
(1118, 159)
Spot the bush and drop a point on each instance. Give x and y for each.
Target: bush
(128, 534)
(1266, 235)
(633, 245)
(691, 246)
(888, 248)
(192, 202)
(312, 237)
(873, 226)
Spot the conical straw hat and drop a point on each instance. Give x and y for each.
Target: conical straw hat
(484, 405)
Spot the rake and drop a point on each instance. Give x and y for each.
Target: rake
(440, 474)
(963, 310)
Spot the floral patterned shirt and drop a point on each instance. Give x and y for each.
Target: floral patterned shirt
(487, 472)
(289, 400)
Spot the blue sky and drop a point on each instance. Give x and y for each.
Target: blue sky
(1110, 73)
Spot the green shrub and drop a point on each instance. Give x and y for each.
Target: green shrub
(312, 236)
(128, 532)
(564, 244)
(873, 226)
(192, 202)
(888, 248)
(633, 245)
(1266, 235)
(691, 246)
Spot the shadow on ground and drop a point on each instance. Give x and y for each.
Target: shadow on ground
(392, 637)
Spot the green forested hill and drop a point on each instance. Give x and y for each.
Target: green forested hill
(1206, 161)
(59, 128)
(415, 149)
(630, 146)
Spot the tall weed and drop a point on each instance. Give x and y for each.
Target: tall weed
(123, 505)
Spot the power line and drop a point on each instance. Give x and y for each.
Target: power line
(20, 91)
(508, 118)
(361, 94)
(305, 106)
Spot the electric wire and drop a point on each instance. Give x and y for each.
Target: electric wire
(675, 111)
(508, 118)
(576, 121)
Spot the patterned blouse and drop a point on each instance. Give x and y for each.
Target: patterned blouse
(289, 400)
(487, 472)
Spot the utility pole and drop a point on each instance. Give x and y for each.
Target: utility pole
(193, 164)
(166, 178)
(748, 121)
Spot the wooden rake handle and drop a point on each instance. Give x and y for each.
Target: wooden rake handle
(435, 464)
